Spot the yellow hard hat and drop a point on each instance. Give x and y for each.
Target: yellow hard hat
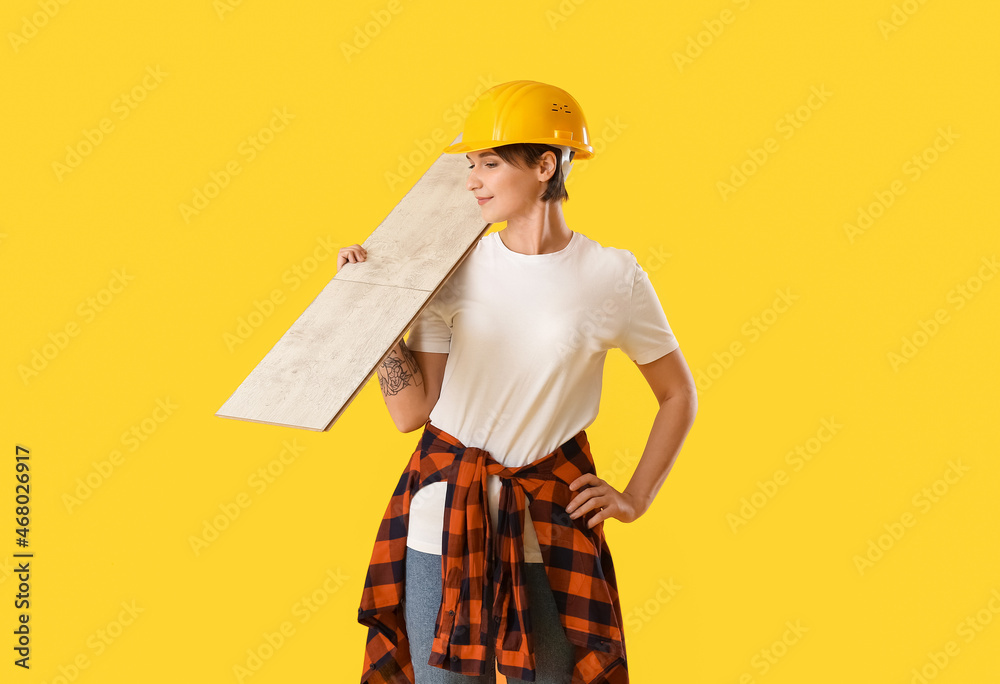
(525, 112)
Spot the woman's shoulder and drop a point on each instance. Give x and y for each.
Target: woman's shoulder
(478, 257)
(607, 267)
(606, 254)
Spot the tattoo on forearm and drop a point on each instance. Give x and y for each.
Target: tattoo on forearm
(398, 370)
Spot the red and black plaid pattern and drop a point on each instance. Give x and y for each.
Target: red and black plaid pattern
(474, 556)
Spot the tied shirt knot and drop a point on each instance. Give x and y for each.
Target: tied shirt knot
(489, 559)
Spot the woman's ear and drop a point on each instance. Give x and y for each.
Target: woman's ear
(546, 163)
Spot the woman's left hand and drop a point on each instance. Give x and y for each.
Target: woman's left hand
(603, 499)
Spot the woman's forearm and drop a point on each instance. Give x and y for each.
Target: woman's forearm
(403, 388)
(670, 427)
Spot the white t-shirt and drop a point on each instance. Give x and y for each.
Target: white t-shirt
(526, 337)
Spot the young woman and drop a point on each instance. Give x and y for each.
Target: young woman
(508, 358)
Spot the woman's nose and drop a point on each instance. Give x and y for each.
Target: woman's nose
(473, 182)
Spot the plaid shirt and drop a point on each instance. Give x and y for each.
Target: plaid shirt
(474, 556)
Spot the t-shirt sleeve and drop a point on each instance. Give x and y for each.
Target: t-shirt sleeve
(430, 332)
(648, 335)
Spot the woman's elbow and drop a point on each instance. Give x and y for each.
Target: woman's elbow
(409, 423)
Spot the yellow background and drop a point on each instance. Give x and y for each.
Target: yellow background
(668, 130)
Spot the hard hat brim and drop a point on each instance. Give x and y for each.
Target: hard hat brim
(582, 151)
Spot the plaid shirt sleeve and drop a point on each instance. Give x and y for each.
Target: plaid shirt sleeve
(576, 558)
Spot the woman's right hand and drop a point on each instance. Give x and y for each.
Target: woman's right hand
(354, 253)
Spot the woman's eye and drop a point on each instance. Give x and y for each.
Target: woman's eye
(489, 164)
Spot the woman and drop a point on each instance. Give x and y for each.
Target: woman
(505, 363)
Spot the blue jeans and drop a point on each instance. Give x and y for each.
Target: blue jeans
(554, 654)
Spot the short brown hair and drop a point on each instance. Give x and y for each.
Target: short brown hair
(530, 154)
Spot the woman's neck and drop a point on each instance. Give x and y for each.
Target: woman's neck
(543, 233)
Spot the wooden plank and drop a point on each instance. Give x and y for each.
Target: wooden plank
(319, 365)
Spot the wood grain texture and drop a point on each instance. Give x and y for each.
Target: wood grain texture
(319, 365)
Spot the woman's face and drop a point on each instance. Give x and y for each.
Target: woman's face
(513, 191)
